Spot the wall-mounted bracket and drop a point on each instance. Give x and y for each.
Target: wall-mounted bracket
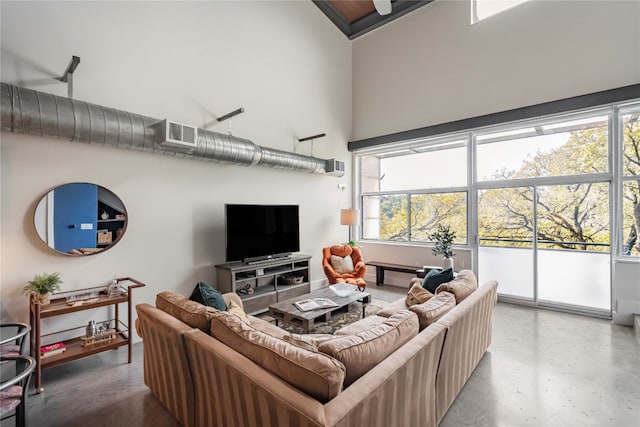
(230, 115)
(310, 138)
(67, 77)
(223, 118)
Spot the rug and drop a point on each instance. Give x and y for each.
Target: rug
(335, 323)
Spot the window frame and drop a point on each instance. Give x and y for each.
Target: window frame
(614, 176)
(455, 140)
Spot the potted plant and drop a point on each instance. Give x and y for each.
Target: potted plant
(443, 237)
(351, 243)
(41, 287)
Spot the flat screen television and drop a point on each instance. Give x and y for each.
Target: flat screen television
(261, 232)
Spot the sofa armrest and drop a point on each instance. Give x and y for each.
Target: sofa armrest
(468, 337)
(374, 401)
(138, 328)
(330, 273)
(360, 269)
(166, 372)
(272, 401)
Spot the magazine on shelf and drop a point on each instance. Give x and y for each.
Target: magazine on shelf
(53, 352)
(50, 347)
(314, 304)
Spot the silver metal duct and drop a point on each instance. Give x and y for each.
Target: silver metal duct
(37, 113)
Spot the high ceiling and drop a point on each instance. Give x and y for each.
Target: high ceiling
(357, 17)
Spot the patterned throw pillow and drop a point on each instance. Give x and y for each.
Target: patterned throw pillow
(417, 295)
(238, 311)
(342, 265)
(205, 294)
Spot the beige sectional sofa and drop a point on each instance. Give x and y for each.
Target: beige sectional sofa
(211, 368)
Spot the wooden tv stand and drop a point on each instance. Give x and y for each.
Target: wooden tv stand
(270, 280)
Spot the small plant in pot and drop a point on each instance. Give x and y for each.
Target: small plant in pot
(42, 286)
(443, 237)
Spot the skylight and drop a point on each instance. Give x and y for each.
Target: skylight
(481, 9)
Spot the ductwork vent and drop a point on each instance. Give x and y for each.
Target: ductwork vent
(37, 113)
(177, 135)
(334, 167)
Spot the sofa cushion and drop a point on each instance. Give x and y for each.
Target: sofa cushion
(392, 308)
(417, 295)
(205, 294)
(266, 327)
(364, 350)
(434, 278)
(363, 324)
(316, 374)
(434, 309)
(190, 312)
(462, 286)
(342, 264)
(308, 341)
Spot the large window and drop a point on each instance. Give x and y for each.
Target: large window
(407, 191)
(551, 196)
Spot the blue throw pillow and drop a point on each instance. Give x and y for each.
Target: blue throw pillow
(205, 294)
(435, 278)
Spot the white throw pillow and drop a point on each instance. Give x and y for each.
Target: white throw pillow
(342, 265)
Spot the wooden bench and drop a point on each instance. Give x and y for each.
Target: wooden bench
(381, 267)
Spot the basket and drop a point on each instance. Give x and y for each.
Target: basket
(292, 280)
(104, 237)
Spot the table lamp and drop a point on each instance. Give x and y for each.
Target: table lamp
(349, 217)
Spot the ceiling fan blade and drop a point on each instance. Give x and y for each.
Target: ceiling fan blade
(383, 6)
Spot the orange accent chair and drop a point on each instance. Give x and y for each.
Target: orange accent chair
(355, 277)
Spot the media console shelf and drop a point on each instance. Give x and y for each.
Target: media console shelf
(270, 280)
(74, 348)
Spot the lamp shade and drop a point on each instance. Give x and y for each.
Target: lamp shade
(348, 216)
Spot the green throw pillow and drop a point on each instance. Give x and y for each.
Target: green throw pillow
(205, 294)
(435, 278)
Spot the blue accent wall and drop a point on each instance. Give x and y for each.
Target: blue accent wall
(73, 205)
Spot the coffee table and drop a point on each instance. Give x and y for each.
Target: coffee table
(307, 320)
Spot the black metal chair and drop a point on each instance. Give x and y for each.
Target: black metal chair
(12, 337)
(16, 374)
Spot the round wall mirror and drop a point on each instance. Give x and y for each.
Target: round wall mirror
(80, 219)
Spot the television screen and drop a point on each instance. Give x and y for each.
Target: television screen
(255, 232)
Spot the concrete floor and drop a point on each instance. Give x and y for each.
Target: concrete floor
(544, 368)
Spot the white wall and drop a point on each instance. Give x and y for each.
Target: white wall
(284, 62)
(431, 66)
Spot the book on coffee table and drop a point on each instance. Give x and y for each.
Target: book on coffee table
(314, 304)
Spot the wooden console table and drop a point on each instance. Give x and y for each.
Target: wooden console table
(382, 266)
(74, 346)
